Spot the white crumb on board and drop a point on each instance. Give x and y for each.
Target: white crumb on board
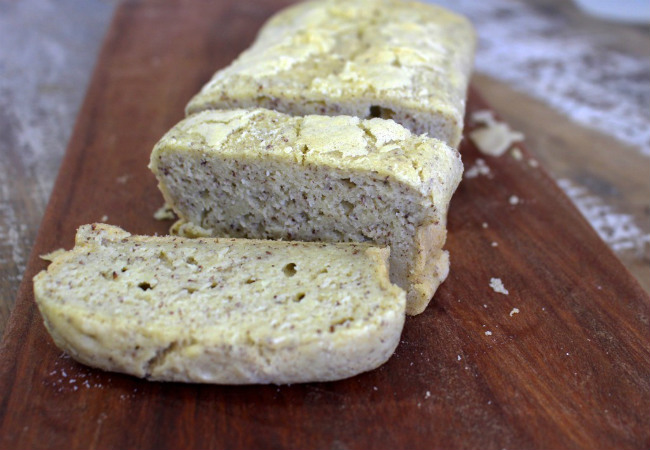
(488, 333)
(514, 311)
(618, 230)
(104, 218)
(513, 200)
(427, 394)
(482, 117)
(494, 138)
(479, 168)
(494, 244)
(497, 286)
(459, 358)
(484, 224)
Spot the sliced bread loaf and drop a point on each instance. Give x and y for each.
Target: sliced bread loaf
(221, 310)
(400, 60)
(266, 175)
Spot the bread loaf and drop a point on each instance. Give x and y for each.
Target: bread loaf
(221, 310)
(392, 59)
(263, 174)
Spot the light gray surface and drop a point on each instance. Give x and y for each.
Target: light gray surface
(48, 51)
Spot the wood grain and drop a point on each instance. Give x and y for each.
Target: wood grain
(571, 369)
(609, 170)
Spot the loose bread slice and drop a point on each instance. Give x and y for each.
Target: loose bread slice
(263, 174)
(393, 59)
(225, 311)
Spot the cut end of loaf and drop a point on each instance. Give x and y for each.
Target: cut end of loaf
(265, 175)
(221, 310)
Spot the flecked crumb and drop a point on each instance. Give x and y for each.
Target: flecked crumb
(497, 286)
(104, 218)
(359, 305)
(514, 200)
(514, 311)
(516, 153)
(427, 394)
(488, 333)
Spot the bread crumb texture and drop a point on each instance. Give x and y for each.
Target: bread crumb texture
(221, 310)
(401, 60)
(497, 286)
(262, 174)
(494, 138)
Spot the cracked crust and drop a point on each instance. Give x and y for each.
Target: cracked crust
(221, 310)
(392, 59)
(263, 174)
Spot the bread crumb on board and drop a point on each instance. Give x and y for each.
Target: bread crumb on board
(513, 200)
(165, 212)
(495, 137)
(514, 311)
(497, 286)
(479, 168)
(488, 333)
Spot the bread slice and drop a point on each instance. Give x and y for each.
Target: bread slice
(225, 311)
(266, 175)
(392, 59)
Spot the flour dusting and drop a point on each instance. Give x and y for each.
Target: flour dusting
(618, 230)
(546, 56)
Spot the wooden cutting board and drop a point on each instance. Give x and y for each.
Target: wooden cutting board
(562, 361)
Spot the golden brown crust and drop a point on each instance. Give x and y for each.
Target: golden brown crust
(407, 61)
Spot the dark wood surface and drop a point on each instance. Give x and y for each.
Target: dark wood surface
(571, 369)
